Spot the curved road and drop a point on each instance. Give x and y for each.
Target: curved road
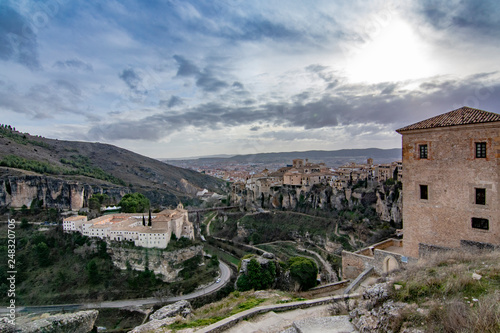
(224, 279)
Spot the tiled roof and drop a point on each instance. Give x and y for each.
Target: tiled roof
(463, 116)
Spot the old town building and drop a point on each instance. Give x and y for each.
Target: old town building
(451, 181)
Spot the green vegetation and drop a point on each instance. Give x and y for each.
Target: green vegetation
(277, 226)
(13, 161)
(234, 303)
(214, 251)
(98, 200)
(258, 276)
(9, 132)
(304, 271)
(57, 268)
(134, 203)
(85, 169)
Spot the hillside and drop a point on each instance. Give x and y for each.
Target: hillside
(99, 164)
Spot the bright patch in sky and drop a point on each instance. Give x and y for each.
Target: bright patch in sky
(392, 53)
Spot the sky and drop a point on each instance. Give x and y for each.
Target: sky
(171, 79)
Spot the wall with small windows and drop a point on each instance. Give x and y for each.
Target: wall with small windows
(451, 183)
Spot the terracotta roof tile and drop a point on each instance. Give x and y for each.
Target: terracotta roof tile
(463, 116)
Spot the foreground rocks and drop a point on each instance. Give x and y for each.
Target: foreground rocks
(165, 316)
(376, 313)
(78, 322)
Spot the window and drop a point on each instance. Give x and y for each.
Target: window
(424, 192)
(480, 196)
(478, 223)
(480, 149)
(423, 151)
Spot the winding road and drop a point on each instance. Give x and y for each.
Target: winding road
(224, 279)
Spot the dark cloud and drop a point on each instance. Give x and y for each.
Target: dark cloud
(186, 67)
(205, 79)
(238, 85)
(44, 101)
(260, 28)
(380, 104)
(173, 101)
(73, 64)
(131, 78)
(17, 40)
(209, 83)
(480, 18)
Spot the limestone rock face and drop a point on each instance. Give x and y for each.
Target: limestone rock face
(16, 191)
(165, 316)
(79, 322)
(159, 261)
(179, 308)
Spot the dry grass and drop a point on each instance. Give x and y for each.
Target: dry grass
(450, 275)
(457, 302)
(232, 304)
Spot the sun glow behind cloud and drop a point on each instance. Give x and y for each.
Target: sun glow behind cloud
(393, 53)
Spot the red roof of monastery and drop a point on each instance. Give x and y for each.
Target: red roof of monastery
(463, 116)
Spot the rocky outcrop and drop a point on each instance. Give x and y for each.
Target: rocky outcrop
(79, 322)
(16, 191)
(377, 313)
(182, 308)
(164, 263)
(165, 316)
(386, 200)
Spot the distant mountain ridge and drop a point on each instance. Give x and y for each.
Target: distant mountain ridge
(331, 157)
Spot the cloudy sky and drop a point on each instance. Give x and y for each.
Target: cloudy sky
(183, 78)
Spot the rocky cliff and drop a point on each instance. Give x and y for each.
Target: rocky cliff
(165, 263)
(16, 191)
(385, 200)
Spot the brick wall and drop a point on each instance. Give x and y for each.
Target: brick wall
(451, 174)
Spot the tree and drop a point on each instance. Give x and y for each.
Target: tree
(134, 203)
(149, 219)
(92, 272)
(258, 276)
(304, 271)
(42, 253)
(24, 223)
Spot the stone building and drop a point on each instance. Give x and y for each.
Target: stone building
(451, 181)
(130, 227)
(74, 223)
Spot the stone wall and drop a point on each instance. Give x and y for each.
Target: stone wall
(382, 261)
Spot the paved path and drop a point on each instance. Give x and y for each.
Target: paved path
(224, 279)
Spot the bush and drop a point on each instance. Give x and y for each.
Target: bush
(258, 276)
(134, 203)
(304, 271)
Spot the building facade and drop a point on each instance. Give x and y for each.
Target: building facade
(451, 180)
(135, 227)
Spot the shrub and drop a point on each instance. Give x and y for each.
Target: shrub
(134, 203)
(304, 271)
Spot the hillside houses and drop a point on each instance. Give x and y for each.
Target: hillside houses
(135, 227)
(304, 174)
